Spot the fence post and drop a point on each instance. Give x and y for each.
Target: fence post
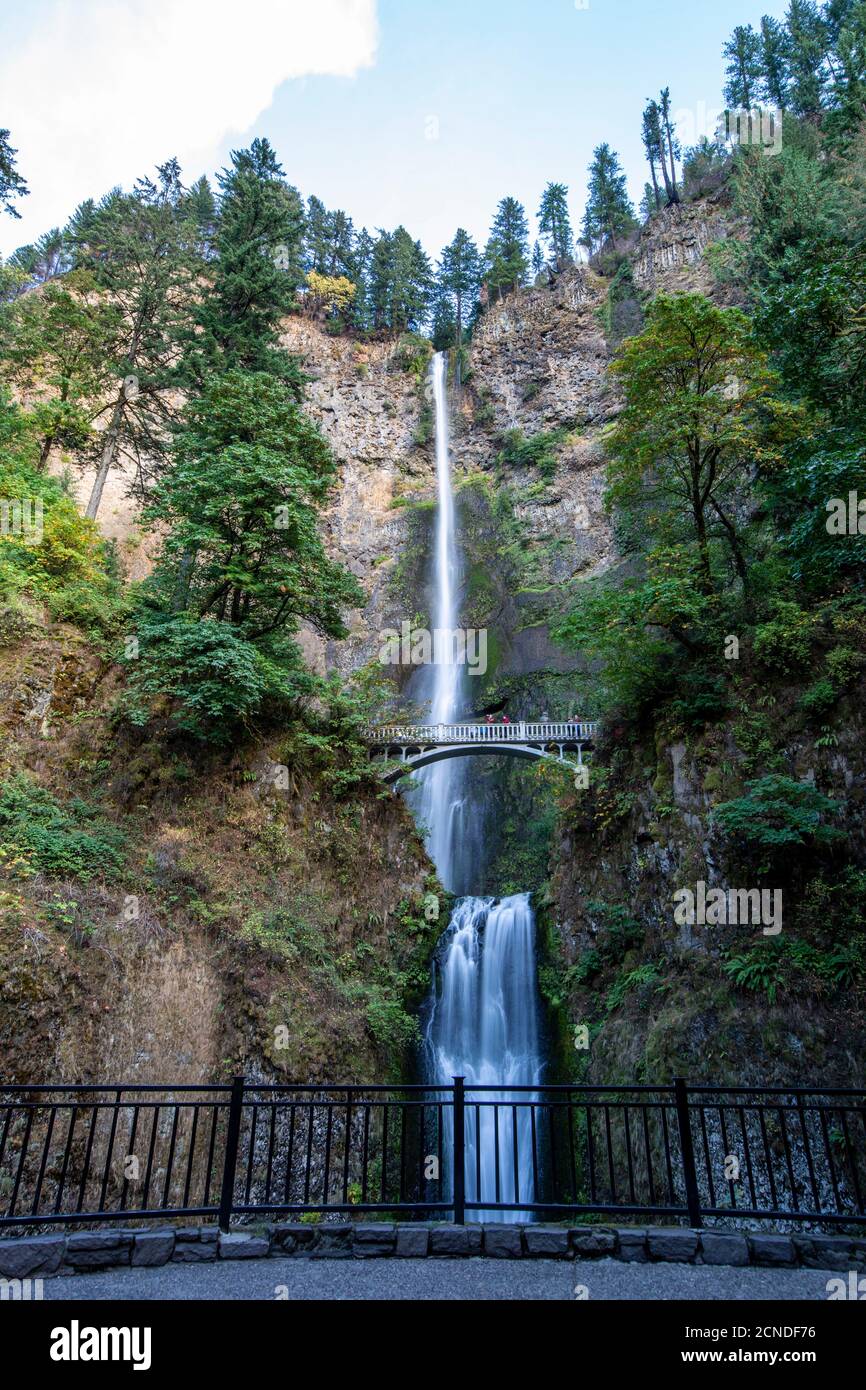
(690, 1176)
(458, 1158)
(230, 1161)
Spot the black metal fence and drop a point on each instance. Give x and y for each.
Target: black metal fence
(92, 1154)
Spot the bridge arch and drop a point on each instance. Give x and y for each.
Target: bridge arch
(415, 761)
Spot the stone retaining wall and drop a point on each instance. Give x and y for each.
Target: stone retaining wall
(83, 1251)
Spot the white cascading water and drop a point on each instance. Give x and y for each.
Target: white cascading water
(482, 1015)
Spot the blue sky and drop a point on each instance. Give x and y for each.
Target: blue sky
(401, 111)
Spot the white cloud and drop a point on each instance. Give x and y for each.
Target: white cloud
(102, 90)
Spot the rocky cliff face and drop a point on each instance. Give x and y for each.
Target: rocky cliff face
(170, 915)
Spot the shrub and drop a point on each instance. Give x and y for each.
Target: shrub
(777, 815)
(37, 835)
(845, 665)
(819, 699)
(783, 643)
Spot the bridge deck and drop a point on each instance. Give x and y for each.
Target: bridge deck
(563, 734)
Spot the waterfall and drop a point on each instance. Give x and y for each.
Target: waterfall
(482, 1014)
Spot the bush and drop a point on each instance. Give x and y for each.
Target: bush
(784, 643)
(538, 452)
(777, 815)
(845, 666)
(218, 678)
(819, 699)
(37, 835)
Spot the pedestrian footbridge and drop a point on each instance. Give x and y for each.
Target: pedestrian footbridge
(417, 745)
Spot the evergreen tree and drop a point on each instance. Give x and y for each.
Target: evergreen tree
(45, 259)
(12, 185)
(242, 564)
(673, 147)
(807, 48)
(774, 63)
(537, 260)
(649, 203)
(609, 213)
(257, 270)
(401, 282)
(743, 71)
(318, 237)
(506, 258)
(661, 146)
(554, 224)
(459, 280)
(58, 347)
(140, 247)
(652, 143)
(202, 208)
(362, 259)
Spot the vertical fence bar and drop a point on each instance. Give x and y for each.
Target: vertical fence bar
(459, 1152)
(230, 1162)
(690, 1176)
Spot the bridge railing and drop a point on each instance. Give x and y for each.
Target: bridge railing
(90, 1155)
(520, 731)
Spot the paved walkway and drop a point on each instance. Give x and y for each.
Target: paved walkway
(436, 1279)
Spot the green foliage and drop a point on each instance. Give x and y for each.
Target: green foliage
(783, 644)
(776, 815)
(12, 185)
(759, 970)
(537, 452)
(609, 213)
(506, 257)
(38, 835)
(70, 568)
(819, 698)
(554, 224)
(256, 271)
(630, 980)
(242, 564)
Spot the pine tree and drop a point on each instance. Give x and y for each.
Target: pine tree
(743, 52)
(459, 280)
(401, 282)
(242, 563)
(661, 146)
(652, 135)
(554, 224)
(257, 269)
(807, 48)
(537, 260)
(673, 147)
(202, 207)
(362, 258)
(506, 258)
(318, 237)
(140, 247)
(649, 203)
(59, 347)
(609, 212)
(12, 185)
(774, 63)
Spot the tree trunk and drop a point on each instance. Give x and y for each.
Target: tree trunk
(45, 451)
(652, 165)
(106, 460)
(675, 197)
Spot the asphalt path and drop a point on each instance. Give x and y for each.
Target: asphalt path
(462, 1280)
